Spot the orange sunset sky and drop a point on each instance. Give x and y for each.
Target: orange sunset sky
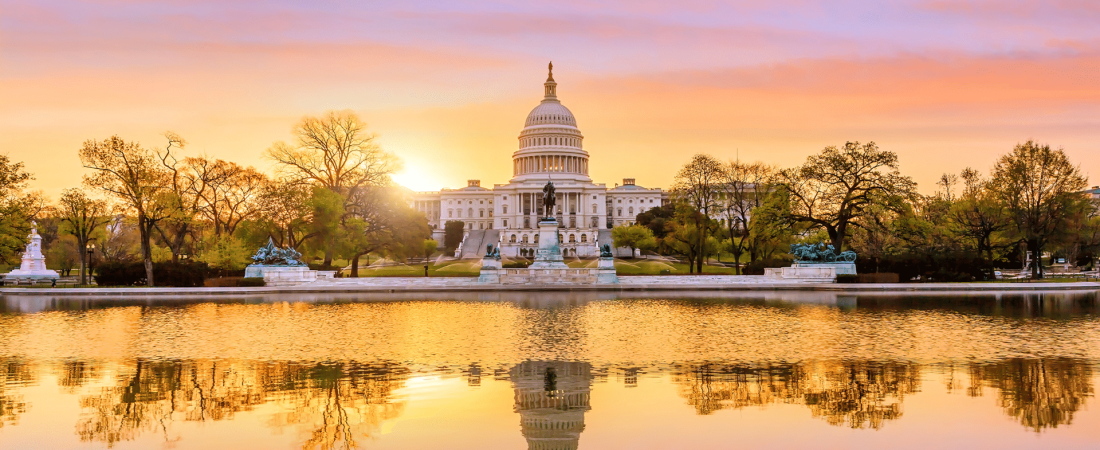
(446, 85)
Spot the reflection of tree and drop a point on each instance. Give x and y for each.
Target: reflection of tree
(337, 400)
(1040, 393)
(858, 394)
(14, 373)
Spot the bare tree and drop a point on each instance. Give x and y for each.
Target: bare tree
(83, 215)
(136, 177)
(741, 191)
(697, 185)
(335, 152)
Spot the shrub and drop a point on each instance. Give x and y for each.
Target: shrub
(664, 272)
(757, 267)
(516, 264)
(165, 274)
(251, 282)
(847, 278)
(234, 282)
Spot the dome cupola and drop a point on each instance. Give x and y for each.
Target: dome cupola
(550, 143)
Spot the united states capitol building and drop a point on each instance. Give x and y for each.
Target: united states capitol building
(551, 148)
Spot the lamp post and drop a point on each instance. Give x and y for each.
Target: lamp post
(85, 261)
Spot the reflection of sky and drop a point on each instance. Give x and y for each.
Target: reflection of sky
(961, 81)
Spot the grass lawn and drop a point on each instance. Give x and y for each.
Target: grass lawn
(472, 267)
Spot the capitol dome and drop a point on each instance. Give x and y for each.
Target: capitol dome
(550, 144)
(550, 112)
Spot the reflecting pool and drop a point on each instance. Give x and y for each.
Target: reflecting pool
(552, 371)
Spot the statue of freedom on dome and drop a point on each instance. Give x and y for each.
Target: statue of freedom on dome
(548, 199)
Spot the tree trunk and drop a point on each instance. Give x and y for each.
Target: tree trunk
(83, 244)
(146, 248)
(355, 264)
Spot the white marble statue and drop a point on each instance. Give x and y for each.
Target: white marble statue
(33, 266)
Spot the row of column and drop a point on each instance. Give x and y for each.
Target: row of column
(550, 163)
(566, 201)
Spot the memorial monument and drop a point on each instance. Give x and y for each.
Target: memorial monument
(279, 266)
(816, 263)
(548, 255)
(33, 267)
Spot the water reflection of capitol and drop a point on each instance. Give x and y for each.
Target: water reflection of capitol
(551, 399)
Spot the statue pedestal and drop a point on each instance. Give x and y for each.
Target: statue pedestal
(33, 266)
(281, 275)
(490, 270)
(548, 255)
(842, 268)
(605, 271)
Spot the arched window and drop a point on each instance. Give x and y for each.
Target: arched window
(584, 238)
(572, 238)
(525, 239)
(536, 239)
(513, 239)
(560, 238)
(469, 212)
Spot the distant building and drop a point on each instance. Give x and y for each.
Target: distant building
(550, 149)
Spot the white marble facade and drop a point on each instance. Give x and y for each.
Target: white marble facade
(550, 149)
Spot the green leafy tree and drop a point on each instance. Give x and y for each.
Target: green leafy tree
(17, 207)
(1040, 189)
(137, 179)
(453, 231)
(82, 217)
(389, 226)
(430, 246)
(833, 189)
(634, 237)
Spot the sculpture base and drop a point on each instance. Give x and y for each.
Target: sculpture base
(818, 273)
(548, 255)
(30, 276)
(281, 275)
(842, 268)
(490, 271)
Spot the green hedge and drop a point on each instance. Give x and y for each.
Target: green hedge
(165, 274)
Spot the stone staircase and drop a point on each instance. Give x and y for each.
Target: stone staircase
(473, 246)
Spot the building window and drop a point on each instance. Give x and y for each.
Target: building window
(572, 238)
(469, 212)
(631, 211)
(481, 202)
(481, 212)
(481, 225)
(536, 239)
(505, 207)
(505, 223)
(450, 213)
(525, 239)
(620, 212)
(593, 209)
(593, 197)
(512, 239)
(584, 238)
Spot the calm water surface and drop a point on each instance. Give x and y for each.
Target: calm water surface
(552, 371)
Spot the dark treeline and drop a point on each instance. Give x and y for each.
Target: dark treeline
(1031, 210)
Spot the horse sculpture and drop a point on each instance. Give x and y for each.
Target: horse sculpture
(820, 253)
